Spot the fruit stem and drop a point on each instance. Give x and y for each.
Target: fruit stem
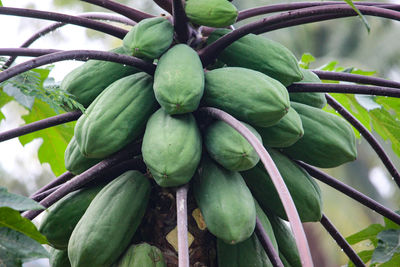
(181, 25)
(181, 211)
(165, 4)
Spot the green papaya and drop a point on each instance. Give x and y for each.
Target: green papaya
(304, 190)
(87, 81)
(150, 38)
(108, 225)
(141, 255)
(60, 219)
(287, 245)
(283, 134)
(59, 258)
(328, 140)
(246, 94)
(117, 116)
(75, 161)
(179, 80)
(229, 148)
(313, 99)
(260, 54)
(225, 202)
(213, 13)
(171, 148)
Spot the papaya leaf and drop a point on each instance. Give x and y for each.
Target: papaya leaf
(16, 248)
(393, 262)
(4, 99)
(55, 139)
(367, 102)
(12, 219)
(389, 224)
(364, 255)
(369, 233)
(388, 245)
(362, 17)
(305, 61)
(391, 104)
(17, 202)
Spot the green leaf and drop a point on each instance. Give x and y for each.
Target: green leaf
(1, 4)
(367, 102)
(17, 202)
(364, 255)
(4, 99)
(16, 248)
(362, 17)
(368, 233)
(389, 224)
(12, 219)
(55, 139)
(391, 104)
(305, 61)
(388, 245)
(394, 262)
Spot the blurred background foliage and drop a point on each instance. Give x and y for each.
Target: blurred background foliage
(344, 40)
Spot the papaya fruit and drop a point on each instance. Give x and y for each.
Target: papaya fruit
(87, 81)
(179, 80)
(260, 54)
(313, 99)
(171, 148)
(150, 38)
(58, 258)
(328, 140)
(213, 13)
(283, 134)
(75, 161)
(229, 148)
(106, 127)
(304, 190)
(225, 202)
(141, 255)
(108, 225)
(248, 95)
(60, 219)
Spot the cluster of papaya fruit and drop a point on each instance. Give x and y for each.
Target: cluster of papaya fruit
(95, 225)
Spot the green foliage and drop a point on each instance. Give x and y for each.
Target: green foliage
(362, 17)
(306, 60)
(17, 202)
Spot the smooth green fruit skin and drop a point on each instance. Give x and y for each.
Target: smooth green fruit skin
(75, 161)
(117, 116)
(249, 252)
(213, 13)
(287, 245)
(313, 99)
(108, 225)
(229, 148)
(304, 190)
(283, 134)
(60, 219)
(171, 148)
(141, 255)
(59, 258)
(225, 202)
(150, 38)
(248, 95)
(328, 140)
(87, 81)
(261, 54)
(179, 80)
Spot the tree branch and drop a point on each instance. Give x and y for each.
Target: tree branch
(344, 88)
(46, 15)
(181, 210)
(283, 192)
(368, 136)
(181, 25)
(40, 125)
(341, 241)
(124, 10)
(165, 4)
(350, 192)
(267, 244)
(76, 55)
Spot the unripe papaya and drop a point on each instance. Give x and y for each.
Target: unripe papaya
(59, 258)
(225, 202)
(213, 13)
(116, 117)
(229, 148)
(313, 99)
(150, 38)
(141, 255)
(171, 148)
(328, 140)
(75, 161)
(304, 190)
(261, 54)
(246, 94)
(283, 134)
(108, 225)
(179, 80)
(60, 219)
(87, 81)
